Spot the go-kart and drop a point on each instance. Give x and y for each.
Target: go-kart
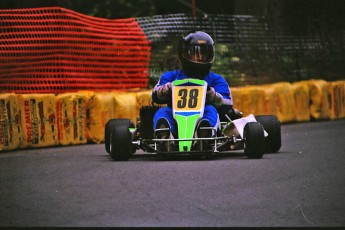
(256, 135)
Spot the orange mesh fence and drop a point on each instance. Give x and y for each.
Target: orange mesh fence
(55, 50)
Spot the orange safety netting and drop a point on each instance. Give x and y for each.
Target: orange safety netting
(54, 50)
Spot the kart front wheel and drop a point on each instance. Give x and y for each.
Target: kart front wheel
(120, 139)
(109, 126)
(271, 125)
(254, 138)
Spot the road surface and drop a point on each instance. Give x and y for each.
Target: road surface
(301, 186)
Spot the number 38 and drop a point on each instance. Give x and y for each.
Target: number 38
(187, 96)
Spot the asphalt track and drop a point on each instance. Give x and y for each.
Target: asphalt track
(80, 186)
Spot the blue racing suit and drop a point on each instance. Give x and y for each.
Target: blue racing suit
(220, 103)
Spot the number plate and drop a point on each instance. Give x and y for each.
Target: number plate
(188, 98)
(188, 107)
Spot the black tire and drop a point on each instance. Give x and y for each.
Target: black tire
(271, 124)
(119, 139)
(109, 126)
(254, 138)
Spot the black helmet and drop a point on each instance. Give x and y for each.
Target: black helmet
(196, 53)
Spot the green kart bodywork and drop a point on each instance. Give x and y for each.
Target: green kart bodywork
(188, 116)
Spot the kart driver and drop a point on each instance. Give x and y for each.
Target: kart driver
(196, 54)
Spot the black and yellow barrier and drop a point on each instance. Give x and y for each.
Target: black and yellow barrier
(319, 104)
(40, 120)
(100, 108)
(71, 118)
(251, 99)
(302, 100)
(336, 98)
(10, 122)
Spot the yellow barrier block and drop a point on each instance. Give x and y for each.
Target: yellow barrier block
(38, 120)
(270, 100)
(301, 97)
(236, 97)
(71, 118)
(336, 99)
(286, 102)
(144, 98)
(252, 100)
(10, 122)
(319, 106)
(126, 105)
(100, 109)
(279, 101)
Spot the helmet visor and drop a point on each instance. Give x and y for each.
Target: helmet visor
(202, 54)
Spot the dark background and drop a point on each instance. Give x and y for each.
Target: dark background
(293, 14)
(265, 40)
(285, 12)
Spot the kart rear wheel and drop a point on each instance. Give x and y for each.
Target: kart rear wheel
(120, 139)
(254, 138)
(271, 125)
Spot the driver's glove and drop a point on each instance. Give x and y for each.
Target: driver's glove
(212, 96)
(235, 114)
(164, 91)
